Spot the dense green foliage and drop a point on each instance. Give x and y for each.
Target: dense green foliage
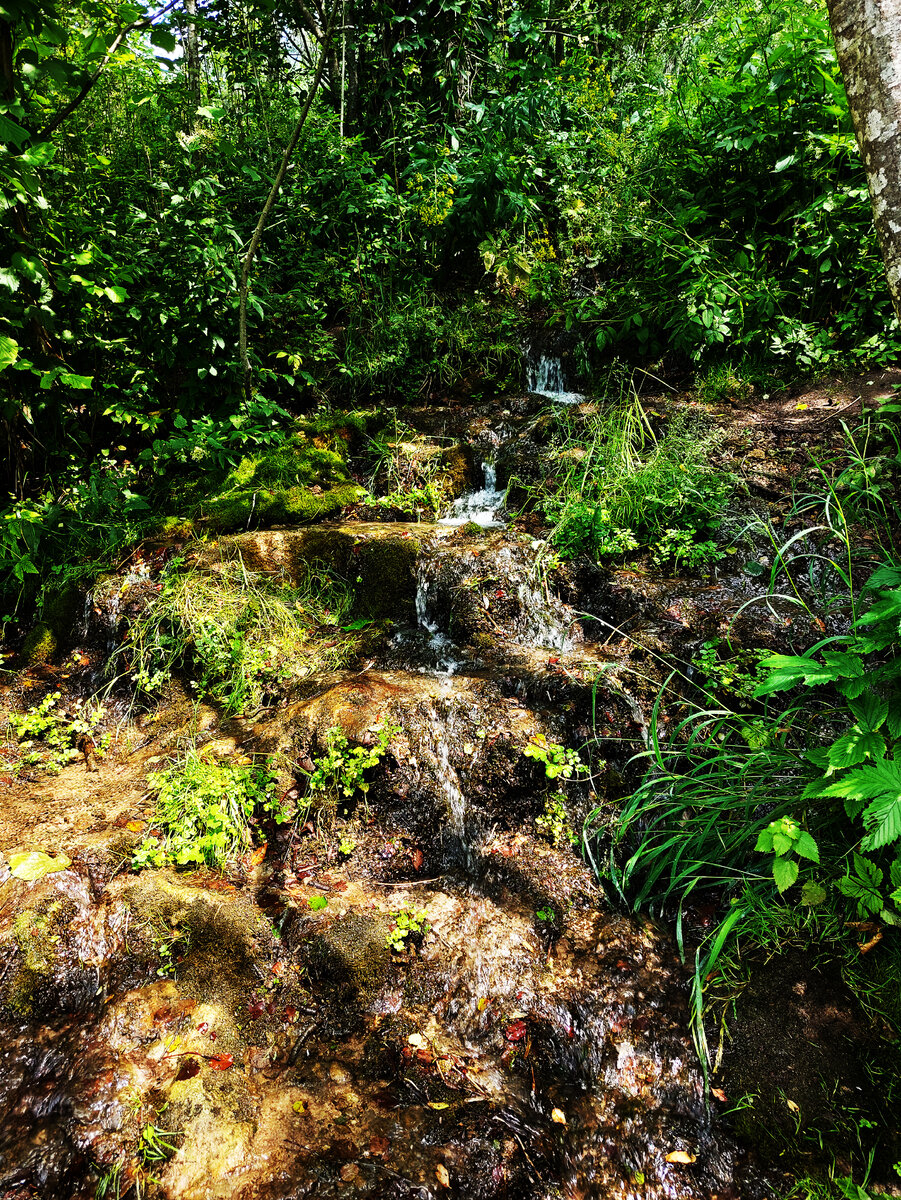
(645, 183)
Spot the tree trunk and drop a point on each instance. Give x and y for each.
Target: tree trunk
(191, 52)
(868, 43)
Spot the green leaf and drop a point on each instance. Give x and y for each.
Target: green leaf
(785, 872)
(764, 840)
(9, 352)
(317, 903)
(856, 746)
(870, 710)
(812, 894)
(36, 865)
(782, 844)
(867, 783)
(164, 39)
(807, 847)
(788, 670)
(888, 608)
(116, 294)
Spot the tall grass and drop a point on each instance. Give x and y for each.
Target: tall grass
(238, 635)
(617, 485)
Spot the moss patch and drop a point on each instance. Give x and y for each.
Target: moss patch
(351, 956)
(40, 645)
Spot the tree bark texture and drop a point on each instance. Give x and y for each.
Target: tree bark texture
(868, 43)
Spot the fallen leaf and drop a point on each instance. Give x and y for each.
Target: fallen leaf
(482, 1004)
(438, 1104)
(791, 1104)
(516, 1031)
(134, 826)
(416, 1040)
(719, 1093)
(417, 860)
(221, 1062)
(379, 1145)
(681, 1156)
(442, 1176)
(36, 865)
(299, 1106)
(258, 855)
(558, 1116)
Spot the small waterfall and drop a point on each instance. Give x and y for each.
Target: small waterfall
(434, 650)
(546, 377)
(460, 823)
(478, 508)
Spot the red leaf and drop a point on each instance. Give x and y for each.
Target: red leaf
(417, 860)
(290, 1012)
(256, 1008)
(221, 1062)
(516, 1031)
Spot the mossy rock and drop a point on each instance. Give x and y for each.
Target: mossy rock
(40, 645)
(351, 956)
(386, 576)
(283, 506)
(61, 607)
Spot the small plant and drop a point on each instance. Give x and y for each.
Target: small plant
(153, 1147)
(340, 771)
(559, 761)
(737, 675)
(346, 845)
(317, 903)
(546, 914)
(407, 924)
(682, 548)
(787, 842)
(51, 739)
(553, 822)
(202, 812)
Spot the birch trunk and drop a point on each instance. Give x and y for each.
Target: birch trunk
(868, 43)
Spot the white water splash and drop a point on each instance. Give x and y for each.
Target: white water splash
(478, 508)
(545, 377)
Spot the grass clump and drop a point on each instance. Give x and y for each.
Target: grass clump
(203, 812)
(239, 634)
(618, 487)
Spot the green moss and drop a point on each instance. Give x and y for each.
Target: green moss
(40, 645)
(282, 506)
(471, 529)
(386, 571)
(351, 955)
(60, 608)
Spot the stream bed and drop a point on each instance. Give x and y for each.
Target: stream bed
(192, 1036)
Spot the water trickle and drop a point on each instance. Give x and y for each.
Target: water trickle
(478, 508)
(546, 377)
(460, 823)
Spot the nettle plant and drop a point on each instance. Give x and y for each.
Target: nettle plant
(860, 767)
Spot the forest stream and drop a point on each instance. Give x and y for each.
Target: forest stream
(445, 1003)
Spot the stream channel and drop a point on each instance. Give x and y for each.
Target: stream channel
(192, 1036)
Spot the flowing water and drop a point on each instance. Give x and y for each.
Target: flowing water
(187, 1036)
(482, 507)
(545, 377)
